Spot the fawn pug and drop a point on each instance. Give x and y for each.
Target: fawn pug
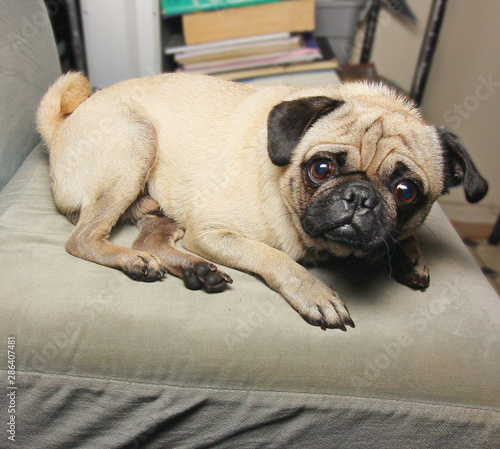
(250, 177)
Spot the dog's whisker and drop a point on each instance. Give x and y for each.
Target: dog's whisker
(431, 231)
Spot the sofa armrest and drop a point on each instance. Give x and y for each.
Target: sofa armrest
(28, 65)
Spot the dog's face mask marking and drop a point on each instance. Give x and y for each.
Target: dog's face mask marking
(346, 209)
(370, 174)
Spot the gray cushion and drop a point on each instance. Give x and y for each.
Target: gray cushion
(28, 65)
(104, 361)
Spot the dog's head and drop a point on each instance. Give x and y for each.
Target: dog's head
(362, 168)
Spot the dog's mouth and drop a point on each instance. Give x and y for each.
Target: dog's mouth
(352, 236)
(358, 222)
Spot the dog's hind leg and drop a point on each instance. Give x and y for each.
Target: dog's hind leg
(89, 241)
(158, 235)
(110, 184)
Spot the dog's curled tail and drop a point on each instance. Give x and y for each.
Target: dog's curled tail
(67, 93)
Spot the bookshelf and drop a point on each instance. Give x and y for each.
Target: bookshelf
(126, 39)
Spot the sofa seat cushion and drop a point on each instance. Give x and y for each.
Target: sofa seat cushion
(103, 360)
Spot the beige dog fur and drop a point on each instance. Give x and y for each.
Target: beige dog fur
(187, 156)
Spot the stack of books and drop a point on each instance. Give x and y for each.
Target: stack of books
(257, 52)
(273, 37)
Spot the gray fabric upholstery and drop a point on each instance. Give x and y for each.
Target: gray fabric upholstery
(103, 359)
(106, 362)
(28, 65)
(157, 416)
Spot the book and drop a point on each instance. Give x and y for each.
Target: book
(278, 70)
(310, 78)
(301, 55)
(283, 16)
(243, 50)
(245, 53)
(212, 46)
(177, 7)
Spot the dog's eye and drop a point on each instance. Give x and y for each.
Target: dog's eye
(405, 193)
(321, 170)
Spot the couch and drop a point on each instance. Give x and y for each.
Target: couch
(93, 359)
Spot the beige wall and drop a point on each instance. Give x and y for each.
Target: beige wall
(463, 90)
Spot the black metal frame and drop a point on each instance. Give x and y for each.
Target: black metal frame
(371, 28)
(427, 50)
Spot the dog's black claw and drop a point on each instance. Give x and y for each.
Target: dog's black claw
(144, 268)
(341, 327)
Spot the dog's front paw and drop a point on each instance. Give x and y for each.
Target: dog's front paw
(407, 266)
(207, 276)
(416, 276)
(326, 310)
(142, 266)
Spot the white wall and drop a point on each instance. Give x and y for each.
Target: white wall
(122, 39)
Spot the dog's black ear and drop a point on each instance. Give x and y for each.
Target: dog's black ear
(288, 121)
(459, 168)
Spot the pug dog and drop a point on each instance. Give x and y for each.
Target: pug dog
(255, 178)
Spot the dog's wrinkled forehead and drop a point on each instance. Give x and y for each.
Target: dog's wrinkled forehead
(376, 138)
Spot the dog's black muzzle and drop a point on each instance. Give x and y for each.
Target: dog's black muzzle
(352, 214)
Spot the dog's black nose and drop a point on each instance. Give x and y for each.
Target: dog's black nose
(359, 194)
